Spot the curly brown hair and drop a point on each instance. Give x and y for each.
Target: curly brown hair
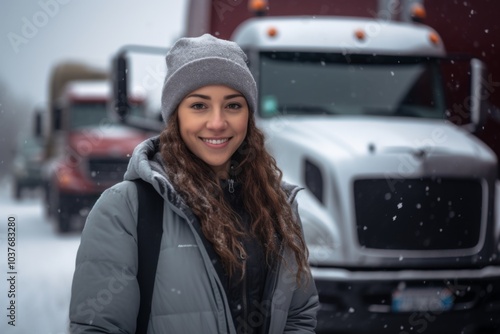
(273, 220)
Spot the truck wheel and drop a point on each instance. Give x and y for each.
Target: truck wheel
(17, 191)
(63, 221)
(47, 200)
(60, 212)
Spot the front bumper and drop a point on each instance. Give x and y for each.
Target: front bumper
(77, 204)
(30, 178)
(363, 301)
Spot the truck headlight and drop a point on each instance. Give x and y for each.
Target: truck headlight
(320, 242)
(321, 232)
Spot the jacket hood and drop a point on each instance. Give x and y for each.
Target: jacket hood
(147, 164)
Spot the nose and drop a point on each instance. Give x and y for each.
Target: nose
(217, 120)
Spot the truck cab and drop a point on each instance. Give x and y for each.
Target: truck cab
(90, 152)
(398, 206)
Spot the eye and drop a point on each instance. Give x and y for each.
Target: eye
(234, 106)
(198, 106)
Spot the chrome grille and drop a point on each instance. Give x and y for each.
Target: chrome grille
(106, 170)
(418, 214)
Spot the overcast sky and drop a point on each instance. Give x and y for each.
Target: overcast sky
(36, 34)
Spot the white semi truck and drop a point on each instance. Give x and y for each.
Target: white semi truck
(400, 206)
(399, 203)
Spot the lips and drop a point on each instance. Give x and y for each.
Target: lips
(215, 141)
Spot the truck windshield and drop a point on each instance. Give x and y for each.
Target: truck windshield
(87, 114)
(333, 84)
(94, 113)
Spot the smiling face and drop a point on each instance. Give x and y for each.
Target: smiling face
(213, 123)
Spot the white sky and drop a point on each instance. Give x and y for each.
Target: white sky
(36, 34)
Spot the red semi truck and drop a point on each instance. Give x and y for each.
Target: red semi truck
(363, 107)
(86, 151)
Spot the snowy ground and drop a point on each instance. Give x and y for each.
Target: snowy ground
(44, 264)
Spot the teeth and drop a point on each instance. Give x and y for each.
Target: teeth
(215, 141)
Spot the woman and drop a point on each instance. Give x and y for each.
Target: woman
(233, 258)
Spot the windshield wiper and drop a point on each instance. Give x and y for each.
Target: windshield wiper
(401, 111)
(304, 109)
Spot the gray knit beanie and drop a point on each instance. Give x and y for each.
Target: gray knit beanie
(206, 60)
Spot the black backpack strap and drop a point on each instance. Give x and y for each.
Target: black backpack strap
(149, 233)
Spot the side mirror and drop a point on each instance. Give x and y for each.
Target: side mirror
(119, 82)
(138, 67)
(57, 120)
(38, 123)
(478, 94)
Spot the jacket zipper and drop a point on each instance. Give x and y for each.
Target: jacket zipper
(244, 293)
(244, 299)
(231, 185)
(277, 269)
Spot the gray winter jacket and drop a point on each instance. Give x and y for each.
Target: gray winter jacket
(188, 296)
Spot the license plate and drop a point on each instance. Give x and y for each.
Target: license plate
(422, 300)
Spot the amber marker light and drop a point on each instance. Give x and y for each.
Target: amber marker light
(259, 7)
(360, 34)
(434, 38)
(418, 13)
(272, 32)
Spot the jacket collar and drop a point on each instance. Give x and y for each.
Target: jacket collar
(147, 164)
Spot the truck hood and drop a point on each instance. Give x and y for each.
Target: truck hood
(337, 159)
(109, 140)
(378, 135)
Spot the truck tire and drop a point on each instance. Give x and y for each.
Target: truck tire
(47, 200)
(59, 211)
(63, 220)
(17, 191)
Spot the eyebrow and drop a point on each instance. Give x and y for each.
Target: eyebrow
(206, 97)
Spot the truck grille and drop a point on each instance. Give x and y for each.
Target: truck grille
(105, 171)
(418, 214)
